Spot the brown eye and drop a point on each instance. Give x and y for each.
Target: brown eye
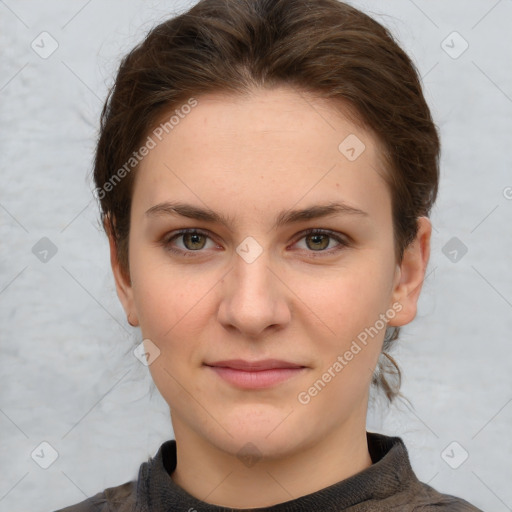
(192, 241)
(318, 241)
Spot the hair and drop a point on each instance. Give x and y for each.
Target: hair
(324, 47)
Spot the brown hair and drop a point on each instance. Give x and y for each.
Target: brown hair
(324, 47)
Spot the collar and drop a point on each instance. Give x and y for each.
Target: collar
(390, 473)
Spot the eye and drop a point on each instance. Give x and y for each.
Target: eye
(193, 241)
(317, 240)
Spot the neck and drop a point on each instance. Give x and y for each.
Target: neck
(220, 478)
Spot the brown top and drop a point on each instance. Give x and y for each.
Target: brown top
(389, 484)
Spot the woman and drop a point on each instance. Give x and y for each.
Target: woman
(265, 171)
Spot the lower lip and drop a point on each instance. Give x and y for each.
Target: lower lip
(256, 379)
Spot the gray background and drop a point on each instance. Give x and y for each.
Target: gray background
(67, 374)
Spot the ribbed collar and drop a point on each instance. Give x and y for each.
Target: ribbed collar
(390, 473)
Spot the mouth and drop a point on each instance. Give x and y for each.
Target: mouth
(255, 374)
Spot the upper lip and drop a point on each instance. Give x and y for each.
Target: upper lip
(264, 364)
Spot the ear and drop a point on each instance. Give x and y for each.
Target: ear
(123, 285)
(411, 274)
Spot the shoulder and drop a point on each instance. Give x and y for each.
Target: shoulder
(114, 499)
(133, 494)
(427, 499)
(396, 486)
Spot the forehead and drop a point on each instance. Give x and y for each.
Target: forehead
(272, 148)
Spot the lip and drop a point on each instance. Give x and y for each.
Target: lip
(264, 364)
(255, 374)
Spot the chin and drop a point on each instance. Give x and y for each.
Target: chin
(258, 436)
(251, 447)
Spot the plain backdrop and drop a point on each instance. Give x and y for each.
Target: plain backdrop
(68, 377)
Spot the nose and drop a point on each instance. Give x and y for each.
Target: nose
(254, 298)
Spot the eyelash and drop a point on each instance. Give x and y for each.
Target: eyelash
(312, 231)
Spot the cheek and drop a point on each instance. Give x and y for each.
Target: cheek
(166, 296)
(347, 324)
(348, 300)
(172, 314)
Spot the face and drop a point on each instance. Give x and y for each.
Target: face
(248, 282)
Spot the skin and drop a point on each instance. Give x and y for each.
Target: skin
(300, 300)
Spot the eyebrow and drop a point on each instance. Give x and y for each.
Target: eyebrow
(284, 217)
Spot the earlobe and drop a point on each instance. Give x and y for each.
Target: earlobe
(123, 286)
(411, 274)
